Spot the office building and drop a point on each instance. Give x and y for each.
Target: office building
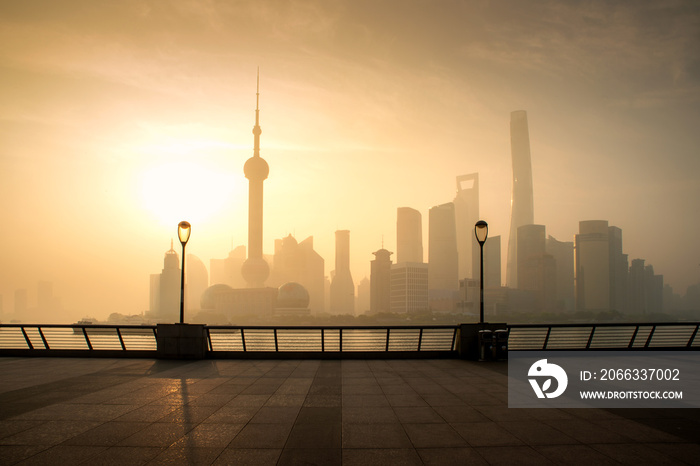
(536, 268)
(592, 263)
(563, 254)
(443, 266)
(492, 262)
(342, 291)
(409, 235)
(466, 204)
(409, 287)
(380, 282)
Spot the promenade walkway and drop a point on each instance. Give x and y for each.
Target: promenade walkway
(377, 412)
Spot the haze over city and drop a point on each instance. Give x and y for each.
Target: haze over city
(118, 121)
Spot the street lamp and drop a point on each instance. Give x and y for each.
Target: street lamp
(183, 232)
(481, 230)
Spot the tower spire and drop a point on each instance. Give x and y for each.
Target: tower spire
(256, 129)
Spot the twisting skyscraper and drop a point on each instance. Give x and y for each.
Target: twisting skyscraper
(521, 202)
(255, 269)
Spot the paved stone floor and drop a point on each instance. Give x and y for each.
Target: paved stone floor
(378, 412)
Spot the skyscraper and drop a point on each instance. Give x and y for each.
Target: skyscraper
(618, 271)
(409, 287)
(592, 262)
(466, 215)
(255, 269)
(342, 287)
(492, 262)
(536, 268)
(409, 235)
(563, 253)
(443, 265)
(168, 288)
(521, 201)
(380, 282)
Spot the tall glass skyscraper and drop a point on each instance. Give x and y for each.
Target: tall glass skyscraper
(521, 202)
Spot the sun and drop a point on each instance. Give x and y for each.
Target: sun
(176, 191)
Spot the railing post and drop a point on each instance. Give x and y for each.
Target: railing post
(692, 337)
(243, 339)
(340, 339)
(211, 346)
(323, 341)
(546, 339)
(420, 338)
(634, 337)
(87, 340)
(121, 340)
(388, 329)
(26, 338)
(590, 337)
(276, 346)
(454, 338)
(43, 338)
(651, 334)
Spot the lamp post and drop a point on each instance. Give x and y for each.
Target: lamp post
(183, 233)
(481, 230)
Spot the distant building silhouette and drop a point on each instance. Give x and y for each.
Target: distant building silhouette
(442, 250)
(521, 201)
(235, 303)
(592, 259)
(563, 253)
(603, 280)
(492, 262)
(196, 283)
(299, 263)
(255, 269)
(618, 271)
(536, 268)
(380, 282)
(363, 293)
(409, 235)
(228, 271)
(292, 300)
(342, 287)
(443, 266)
(466, 215)
(645, 289)
(409, 287)
(165, 289)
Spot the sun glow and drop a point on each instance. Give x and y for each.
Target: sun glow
(184, 190)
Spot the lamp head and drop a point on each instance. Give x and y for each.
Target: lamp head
(183, 232)
(481, 230)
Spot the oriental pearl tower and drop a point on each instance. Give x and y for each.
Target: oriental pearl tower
(255, 269)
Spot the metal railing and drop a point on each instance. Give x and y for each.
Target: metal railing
(608, 336)
(61, 337)
(390, 341)
(317, 339)
(222, 341)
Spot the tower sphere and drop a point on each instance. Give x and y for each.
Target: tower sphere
(256, 168)
(255, 270)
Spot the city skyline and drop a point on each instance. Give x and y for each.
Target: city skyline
(359, 112)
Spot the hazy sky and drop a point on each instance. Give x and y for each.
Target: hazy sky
(119, 119)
